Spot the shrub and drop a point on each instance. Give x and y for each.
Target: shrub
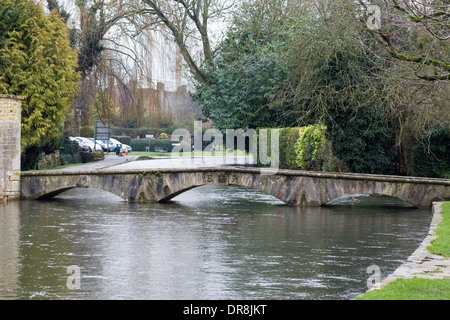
(86, 156)
(139, 144)
(287, 139)
(164, 144)
(305, 148)
(309, 147)
(69, 151)
(432, 155)
(142, 144)
(98, 155)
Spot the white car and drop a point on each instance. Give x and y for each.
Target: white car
(113, 143)
(90, 144)
(81, 143)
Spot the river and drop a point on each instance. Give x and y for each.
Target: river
(211, 242)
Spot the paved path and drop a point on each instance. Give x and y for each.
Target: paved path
(114, 162)
(108, 162)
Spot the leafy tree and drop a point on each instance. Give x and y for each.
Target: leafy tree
(36, 62)
(247, 71)
(332, 80)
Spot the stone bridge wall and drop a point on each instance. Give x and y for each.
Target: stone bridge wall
(10, 134)
(292, 187)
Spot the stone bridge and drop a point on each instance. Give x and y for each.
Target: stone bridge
(290, 186)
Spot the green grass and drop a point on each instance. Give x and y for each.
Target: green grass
(411, 289)
(62, 167)
(417, 288)
(441, 245)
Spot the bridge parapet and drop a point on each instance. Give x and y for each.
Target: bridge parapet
(294, 187)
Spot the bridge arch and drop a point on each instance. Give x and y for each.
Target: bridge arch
(376, 200)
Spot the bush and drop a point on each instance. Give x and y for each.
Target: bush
(432, 155)
(309, 147)
(287, 139)
(86, 156)
(69, 151)
(164, 144)
(134, 132)
(305, 148)
(139, 144)
(98, 155)
(34, 153)
(155, 144)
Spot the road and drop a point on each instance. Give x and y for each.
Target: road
(114, 162)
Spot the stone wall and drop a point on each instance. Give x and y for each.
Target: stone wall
(10, 130)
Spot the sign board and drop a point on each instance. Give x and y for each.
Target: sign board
(102, 131)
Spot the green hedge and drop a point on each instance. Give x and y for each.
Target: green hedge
(305, 148)
(123, 139)
(141, 132)
(141, 144)
(287, 139)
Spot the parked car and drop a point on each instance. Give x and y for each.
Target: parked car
(108, 145)
(104, 146)
(89, 143)
(97, 144)
(81, 143)
(113, 143)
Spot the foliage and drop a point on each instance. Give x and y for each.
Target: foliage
(288, 139)
(36, 62)
(104, 109)
(69, 151)
(141, 144)
(34, 153)
(86, 156)
(123, 139)
(312, 149)
(246, 73)
(338, 88)
(432, 154)
(163, 136)
(416, 36)
(87, 131)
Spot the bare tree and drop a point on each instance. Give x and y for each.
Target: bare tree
(188, 22)
(417, 32)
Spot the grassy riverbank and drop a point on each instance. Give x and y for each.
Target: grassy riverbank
(416, 288)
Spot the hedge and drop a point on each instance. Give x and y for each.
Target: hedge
(287, 139)
(141, 144)
(304, 148)
(123, 139)
(141, 132)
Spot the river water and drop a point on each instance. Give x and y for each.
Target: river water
(211, 242)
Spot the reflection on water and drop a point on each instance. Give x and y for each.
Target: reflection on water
(208, 243)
